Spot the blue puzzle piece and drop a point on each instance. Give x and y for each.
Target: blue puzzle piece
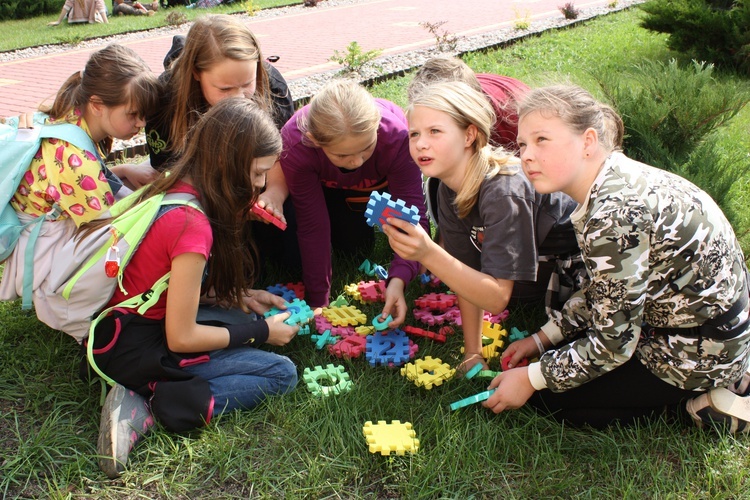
(380, 207)
(385, 348)
(282, 291)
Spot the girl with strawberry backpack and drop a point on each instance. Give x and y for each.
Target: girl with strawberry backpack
(177, 362)
(69, 185)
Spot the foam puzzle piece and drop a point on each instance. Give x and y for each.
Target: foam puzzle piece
(497, 335)
(371, 291)
(496, 318)
(504, 363)
(268, 216)
(439, 301)
(324, 339)
(301, 313)
(344, 316)
(349, 347)
(516, 334)
(429, 280)
(339, 302)
(476, 398)
(413, 330)
(428, 372)
(304, 330)
(298, 288)
(322, 324)
(381, 206)
(487, 374)
(333, 379)
(390, 438)
(446, 331)
(364, 330)
(474, 371)
(388, 348)
(282, 291)
(372, 269)
(381, 325)
(432, 318)
(352, 290)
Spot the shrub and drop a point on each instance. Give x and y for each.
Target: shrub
(522, 20)
(671, 113)
(569, 11)
(354, 60)
(445, 41)
(175, 18)
(24, 9)
(715, 31)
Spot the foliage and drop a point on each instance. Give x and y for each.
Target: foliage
(715, 31)
(671, 113)
(175, 18)
(24, 9)
(569, 11)
(445, 41)
(354, 59)
(249, 7)
(523, 19)
(612, 4)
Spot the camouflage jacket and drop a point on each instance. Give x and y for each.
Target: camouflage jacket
(659, 251)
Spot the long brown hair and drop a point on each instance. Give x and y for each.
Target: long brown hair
(117, 76)
(218, 163)
(211, 40)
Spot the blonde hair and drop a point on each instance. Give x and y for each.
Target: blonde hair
(342, 108)
(578, 109)
(211, 40)
(468, 107)
(442, 69)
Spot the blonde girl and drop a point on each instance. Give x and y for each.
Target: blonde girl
(337, 150)
(494, 226)
(663, 318)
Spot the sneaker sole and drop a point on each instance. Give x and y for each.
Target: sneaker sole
(106, 443)
(725, 401)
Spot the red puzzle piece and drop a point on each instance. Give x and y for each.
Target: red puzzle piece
(268, 216)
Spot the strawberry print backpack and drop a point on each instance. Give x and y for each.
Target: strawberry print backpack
(17, 148)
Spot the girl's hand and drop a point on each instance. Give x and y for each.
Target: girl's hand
(524, 348)
(279, 333)
(512, 389)
(395, 303)
(135, 176)
(273, 204)
(260, 301)
(469, 362)
(409, 241)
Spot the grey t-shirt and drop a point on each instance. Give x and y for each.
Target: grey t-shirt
(508, 228)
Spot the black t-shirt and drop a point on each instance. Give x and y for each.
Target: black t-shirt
(158, 123)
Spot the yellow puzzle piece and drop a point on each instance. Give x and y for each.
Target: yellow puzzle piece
(394, 437)
(428, 372)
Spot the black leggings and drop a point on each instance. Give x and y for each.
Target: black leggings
(625, 395)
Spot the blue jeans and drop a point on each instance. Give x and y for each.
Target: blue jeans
(243, 377)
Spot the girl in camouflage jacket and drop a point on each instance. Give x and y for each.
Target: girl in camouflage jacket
(663, 318)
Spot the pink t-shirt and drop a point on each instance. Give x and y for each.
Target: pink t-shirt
(178, 231)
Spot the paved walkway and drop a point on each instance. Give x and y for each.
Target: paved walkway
(303, 40)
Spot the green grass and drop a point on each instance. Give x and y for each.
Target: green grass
(33, 32)
(299, 446)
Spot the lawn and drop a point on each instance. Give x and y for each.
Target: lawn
(302, 446)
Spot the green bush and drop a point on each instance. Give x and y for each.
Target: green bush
(24, 9)
(715, 31)
(671, 113)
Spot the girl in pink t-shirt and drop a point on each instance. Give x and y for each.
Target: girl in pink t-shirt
(194, 363)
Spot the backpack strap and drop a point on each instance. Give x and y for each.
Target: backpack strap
(141, 303)
(76, 136)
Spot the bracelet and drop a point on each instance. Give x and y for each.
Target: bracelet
(538, 343)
